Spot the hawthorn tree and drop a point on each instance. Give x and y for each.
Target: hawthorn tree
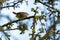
(52, 15)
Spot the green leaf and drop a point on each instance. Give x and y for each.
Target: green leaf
(30, 34)
(8, 38)
(32, 9)
(36, 11)
(41, 30)
(23, 27)
(45, 19)
(22, 32)
(31, 38)
(58, 31)
(21, 1)
(7, 34)
(37, 17)
(42, 12)
(33, 30)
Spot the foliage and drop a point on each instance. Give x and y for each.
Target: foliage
(22, 28)
(51, 32)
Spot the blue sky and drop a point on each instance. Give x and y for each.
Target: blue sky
(27, 8)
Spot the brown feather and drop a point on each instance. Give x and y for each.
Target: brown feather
(21, 14)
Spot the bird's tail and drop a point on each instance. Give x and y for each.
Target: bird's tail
(14, 13)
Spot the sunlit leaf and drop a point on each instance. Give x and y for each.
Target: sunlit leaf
(45, 19)
(36, 11)
(32, 9)
(33, 30)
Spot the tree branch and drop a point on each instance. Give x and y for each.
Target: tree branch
(49, 6)
(10, 5)
(49, 30)
(16, 21)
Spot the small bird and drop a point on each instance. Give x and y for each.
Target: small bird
(21, 14)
